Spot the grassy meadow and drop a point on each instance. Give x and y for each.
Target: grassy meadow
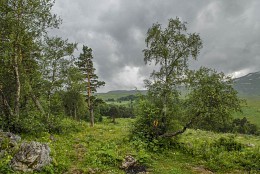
(101, 149)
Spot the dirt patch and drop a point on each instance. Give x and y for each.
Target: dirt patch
(202, 170)
(136, 170)
(75, 171)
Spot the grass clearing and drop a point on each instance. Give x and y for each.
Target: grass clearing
(101, 149)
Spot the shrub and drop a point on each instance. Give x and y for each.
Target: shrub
(145, 125)
(243, 126)
(228, 144)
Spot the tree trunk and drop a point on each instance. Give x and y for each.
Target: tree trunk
(18, 88)
(114, 119)
(36, 101)
(71, 114)
(91, 117)
(165, 93)
(51, 88)
(49, 104)
(17, 56)
(6, 104)
(91, 114)
(75, 113)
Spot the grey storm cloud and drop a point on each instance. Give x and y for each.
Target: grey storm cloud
(116, 30)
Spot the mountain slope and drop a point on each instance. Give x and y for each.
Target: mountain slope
(248, 85)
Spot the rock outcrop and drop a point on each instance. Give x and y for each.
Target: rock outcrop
(31, 157)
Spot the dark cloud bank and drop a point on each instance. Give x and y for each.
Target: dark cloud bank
(116, 29)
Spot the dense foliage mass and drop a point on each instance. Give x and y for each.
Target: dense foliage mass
(41, 81)
(211, 98)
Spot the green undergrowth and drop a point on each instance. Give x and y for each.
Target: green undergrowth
(81, 149)
(223, 153)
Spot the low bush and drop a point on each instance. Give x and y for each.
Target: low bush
(227, 144)
(243, 126)
(223, 154)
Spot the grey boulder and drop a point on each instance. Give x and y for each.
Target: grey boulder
(31, 157)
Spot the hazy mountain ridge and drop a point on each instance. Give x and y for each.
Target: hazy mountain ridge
(248, 85)
(126, 91)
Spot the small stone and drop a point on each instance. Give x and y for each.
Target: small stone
(250, 145)
(129, 161)
(131, 166)
(93, 171)
(52, 138)
(2, 153)
(13, 137)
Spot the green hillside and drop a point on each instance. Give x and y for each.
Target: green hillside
(119, 93)
(248, 88)
(250, 110)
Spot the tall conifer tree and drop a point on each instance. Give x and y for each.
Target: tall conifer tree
(85, 64)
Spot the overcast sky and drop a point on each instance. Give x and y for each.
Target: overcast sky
(116, 30)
